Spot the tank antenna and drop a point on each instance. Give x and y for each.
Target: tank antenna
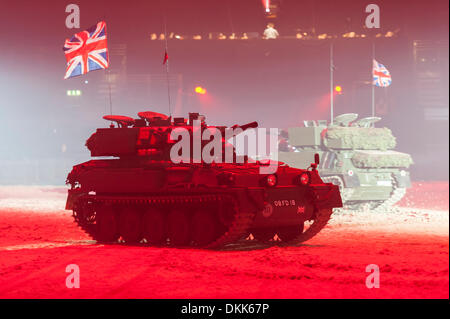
(109, 88)
(373, 86)
(331, 84)
(108, 76)
(108, 72)
(166, 62)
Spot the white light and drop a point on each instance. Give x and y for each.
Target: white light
(73, 92)
(267, 5)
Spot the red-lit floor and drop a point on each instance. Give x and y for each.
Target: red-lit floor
(411, 246)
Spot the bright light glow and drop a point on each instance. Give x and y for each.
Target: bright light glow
(338, 88)
(304, 178)
(73, 92)
(351, 34)
(267, 5)
(200, 90)
(271, 180)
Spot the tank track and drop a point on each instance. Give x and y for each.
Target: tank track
(396, 195)
(237, 229)
(345, 193)
(321, 220)
(387, 205)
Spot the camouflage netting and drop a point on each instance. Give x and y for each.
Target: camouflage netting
(360, 138)
(378, 159)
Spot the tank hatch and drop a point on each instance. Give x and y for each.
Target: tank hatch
(345, 119)
(367, 121)
(122, 121)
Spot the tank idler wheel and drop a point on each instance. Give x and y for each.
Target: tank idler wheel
(288, 233)
(106, 224)
(130, 224)
(263, 235)
(205, 227)
(154, 225)
(178, 228)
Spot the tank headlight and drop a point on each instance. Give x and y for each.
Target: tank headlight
(271, 180)
(304, 179)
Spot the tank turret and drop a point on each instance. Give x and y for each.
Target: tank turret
(150, 135)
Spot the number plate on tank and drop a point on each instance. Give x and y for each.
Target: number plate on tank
(284, 202)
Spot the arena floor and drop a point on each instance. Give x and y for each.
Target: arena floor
(410, 244)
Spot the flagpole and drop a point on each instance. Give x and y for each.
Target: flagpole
(167, 66)
(331, 84)
(109, 87)
(371, 81)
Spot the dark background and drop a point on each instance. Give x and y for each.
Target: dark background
(279, 83)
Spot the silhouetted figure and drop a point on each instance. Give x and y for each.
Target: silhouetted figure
(270, 32)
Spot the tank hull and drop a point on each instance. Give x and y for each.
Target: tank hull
(358, 159)
(241, 208)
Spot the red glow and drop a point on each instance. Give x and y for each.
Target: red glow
(271, 180)
(41, 240)
(304, 178)
(266, 4)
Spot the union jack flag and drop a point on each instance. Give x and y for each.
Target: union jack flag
(381, 75)
(87, 51)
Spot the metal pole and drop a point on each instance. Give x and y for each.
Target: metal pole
(109, 87)
(331, 83)
(167, 67)
(371, 80)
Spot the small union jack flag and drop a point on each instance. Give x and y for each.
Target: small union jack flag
(87, 51)
(381, 75)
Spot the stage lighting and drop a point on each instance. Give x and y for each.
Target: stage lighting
(73, 92)
(267, 5)
(338, 89)
(200, 90)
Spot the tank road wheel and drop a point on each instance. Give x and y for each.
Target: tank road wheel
(288, 233)
(263, 235)
(205, 227)
(106, 221)
(130, 224)
(154, 226)
(178, 228)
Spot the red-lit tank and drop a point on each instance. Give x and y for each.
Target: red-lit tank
(141, 195)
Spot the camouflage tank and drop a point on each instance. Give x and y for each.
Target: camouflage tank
(356, 156)
(139, 194)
